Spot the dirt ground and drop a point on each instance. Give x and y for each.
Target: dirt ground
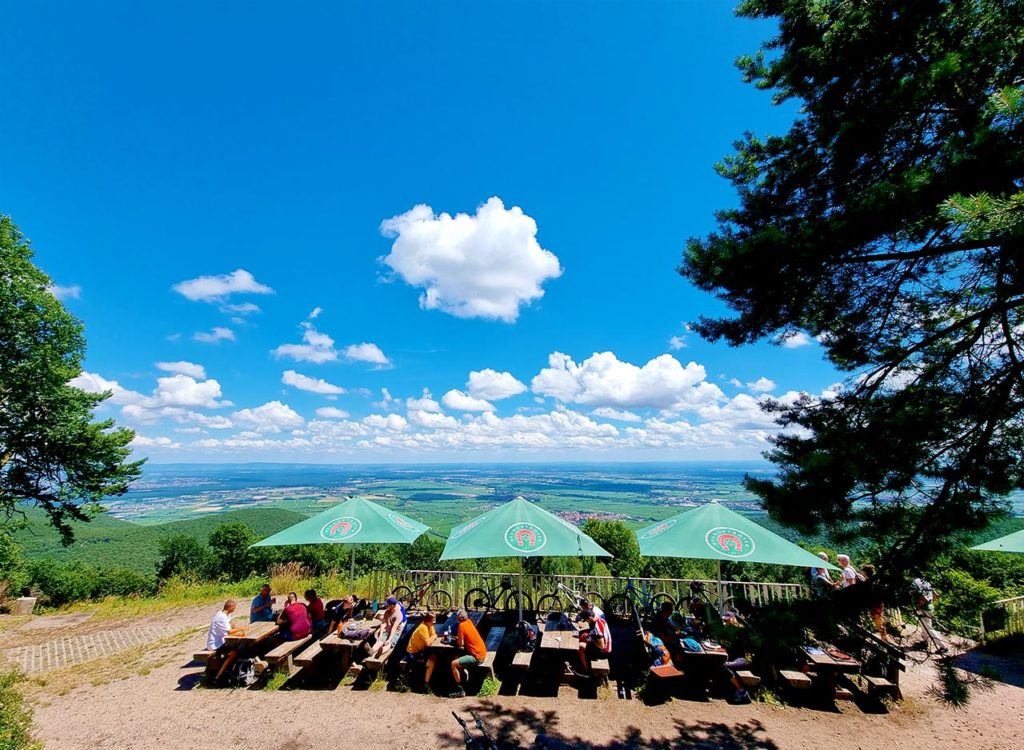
(152, 700)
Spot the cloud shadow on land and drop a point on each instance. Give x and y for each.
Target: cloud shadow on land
(528, 728)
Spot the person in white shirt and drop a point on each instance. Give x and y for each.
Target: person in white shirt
(850, 576)
(220, 629)
(595, 643)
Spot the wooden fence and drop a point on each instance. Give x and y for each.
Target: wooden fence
(458, 583)
(1003, 617)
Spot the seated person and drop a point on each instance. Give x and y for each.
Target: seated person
(595, 643)
(422, 637)
(666, 624)
(393, 618)
(220, 629)
(475, 651)
(262, 607)
(315, 607)
(344, 612)
(294, 619)
(656, 650)
(585, 606)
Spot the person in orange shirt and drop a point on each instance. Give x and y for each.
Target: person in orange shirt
(468, 640)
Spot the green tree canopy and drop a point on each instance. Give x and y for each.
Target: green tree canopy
(619, 539)
(887, 224)
(51, 452)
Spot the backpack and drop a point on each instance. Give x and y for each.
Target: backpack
(243, 673)
(526, 636)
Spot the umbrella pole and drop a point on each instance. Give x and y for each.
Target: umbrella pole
(520, 590)
(720, 607)
(352, 573)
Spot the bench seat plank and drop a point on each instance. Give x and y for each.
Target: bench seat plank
(795, 679)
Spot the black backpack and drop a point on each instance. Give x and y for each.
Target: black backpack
(526, 636)
(242, 673)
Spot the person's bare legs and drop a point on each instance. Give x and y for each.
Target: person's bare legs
(227, 663)
(583, 658)
(431, 663)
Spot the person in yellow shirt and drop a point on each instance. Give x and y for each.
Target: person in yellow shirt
(416, 651)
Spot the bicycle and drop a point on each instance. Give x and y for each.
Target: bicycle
(437, 599)
(631, 601)
(501, 596)
(552, 603)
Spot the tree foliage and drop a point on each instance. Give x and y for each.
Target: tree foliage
(888, 223)
(51, 452)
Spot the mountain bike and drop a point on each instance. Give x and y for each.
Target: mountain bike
(502, 596)
(562, 596)
(427, 594)
(631, 601)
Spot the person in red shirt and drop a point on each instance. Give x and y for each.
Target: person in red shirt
(595, 643)
(315, 607)
(294, 619)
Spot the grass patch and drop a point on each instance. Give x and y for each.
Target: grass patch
(276, 681)
(768, 697)
(379, 683)
(490, 687)
(15, 716)
(604, 691)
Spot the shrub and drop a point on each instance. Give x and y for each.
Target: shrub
(960, 599)
(184, 555)
(63, 583)
(125, 582)
(15, 716)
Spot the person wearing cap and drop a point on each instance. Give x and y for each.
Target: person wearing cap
(595, 643)
(585, 606)
(393, 623)
(475, 651)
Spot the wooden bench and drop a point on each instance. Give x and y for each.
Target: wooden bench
(599, 669)
(203, 656)
(748, 678)
(521, 661)
(306, 657)
(799, 680)
(281, 658)
(492, 642)
(879, 686)
(665, 672)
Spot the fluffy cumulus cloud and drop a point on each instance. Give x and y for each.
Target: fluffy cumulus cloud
(331, 412)
(216, 335)
(425, 402)
(73, 291)
(219, 288)
(90, 382)
(273, 416)
(492, 385)
(603, 380)
(459, 401)
(620, 414)
(313, 385)
(316, 347)
(676, 343)
(794, 340)
(183, 368)
(366, 353)
(762, 385)
(486, 265)
(141, 441)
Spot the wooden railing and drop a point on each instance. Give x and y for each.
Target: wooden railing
(457, 583)
(1009, 613)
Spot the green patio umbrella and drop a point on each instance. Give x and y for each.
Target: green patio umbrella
(355, 521)
(1010, 543)
(520, 529)
(713, 532)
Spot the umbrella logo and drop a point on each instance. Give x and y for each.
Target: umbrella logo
(465, 529)
(342, 528)
(661, 528)
(397, 519)
(525, 537)
(730, 541)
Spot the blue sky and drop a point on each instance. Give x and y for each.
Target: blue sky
(284, 228)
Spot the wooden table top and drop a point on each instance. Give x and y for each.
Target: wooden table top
(823, 660)
(254, 633)
(334, 641)
(562, 640)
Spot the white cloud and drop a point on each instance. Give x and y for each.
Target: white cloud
(306, 383)
(433, 420)
(273, 416)
(141, 441)
(481, 266)
(331, 412)
(315, 313)
(366, 353)
(619, 414)
(184, 368)
(317, 349)
(215, 422)
(492, 385)
(604, 380)
(243, 308)
(218, 288)
(90, 382)
(391, 423)
(65, 292)
(387, 401)
(424, 403)
(794, 340)
(677, 342)
(456, 399)
(182, 390)
(762, 385)
(219, 333)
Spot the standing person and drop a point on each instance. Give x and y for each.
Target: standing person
(595, 643)
(924, 596)
(821, 580)
(391, 630)
(294, 619)
(220, 629)
(475, 651)
(262, 607)
(315, 607)
(849, 574)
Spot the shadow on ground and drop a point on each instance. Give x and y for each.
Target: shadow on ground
(1005, 667)
(528, 728)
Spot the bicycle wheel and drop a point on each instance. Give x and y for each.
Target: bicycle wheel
(550, 604)
(404, 595)
(619, 605)
(512, 602)
(595, 598)
(478, 600)
(439, 601)
(654, 606)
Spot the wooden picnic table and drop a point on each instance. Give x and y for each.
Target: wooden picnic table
(255, 632)
(828, 668)
(334, 642)
(560, 640)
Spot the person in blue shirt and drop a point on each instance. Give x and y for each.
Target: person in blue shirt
(262, 607)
